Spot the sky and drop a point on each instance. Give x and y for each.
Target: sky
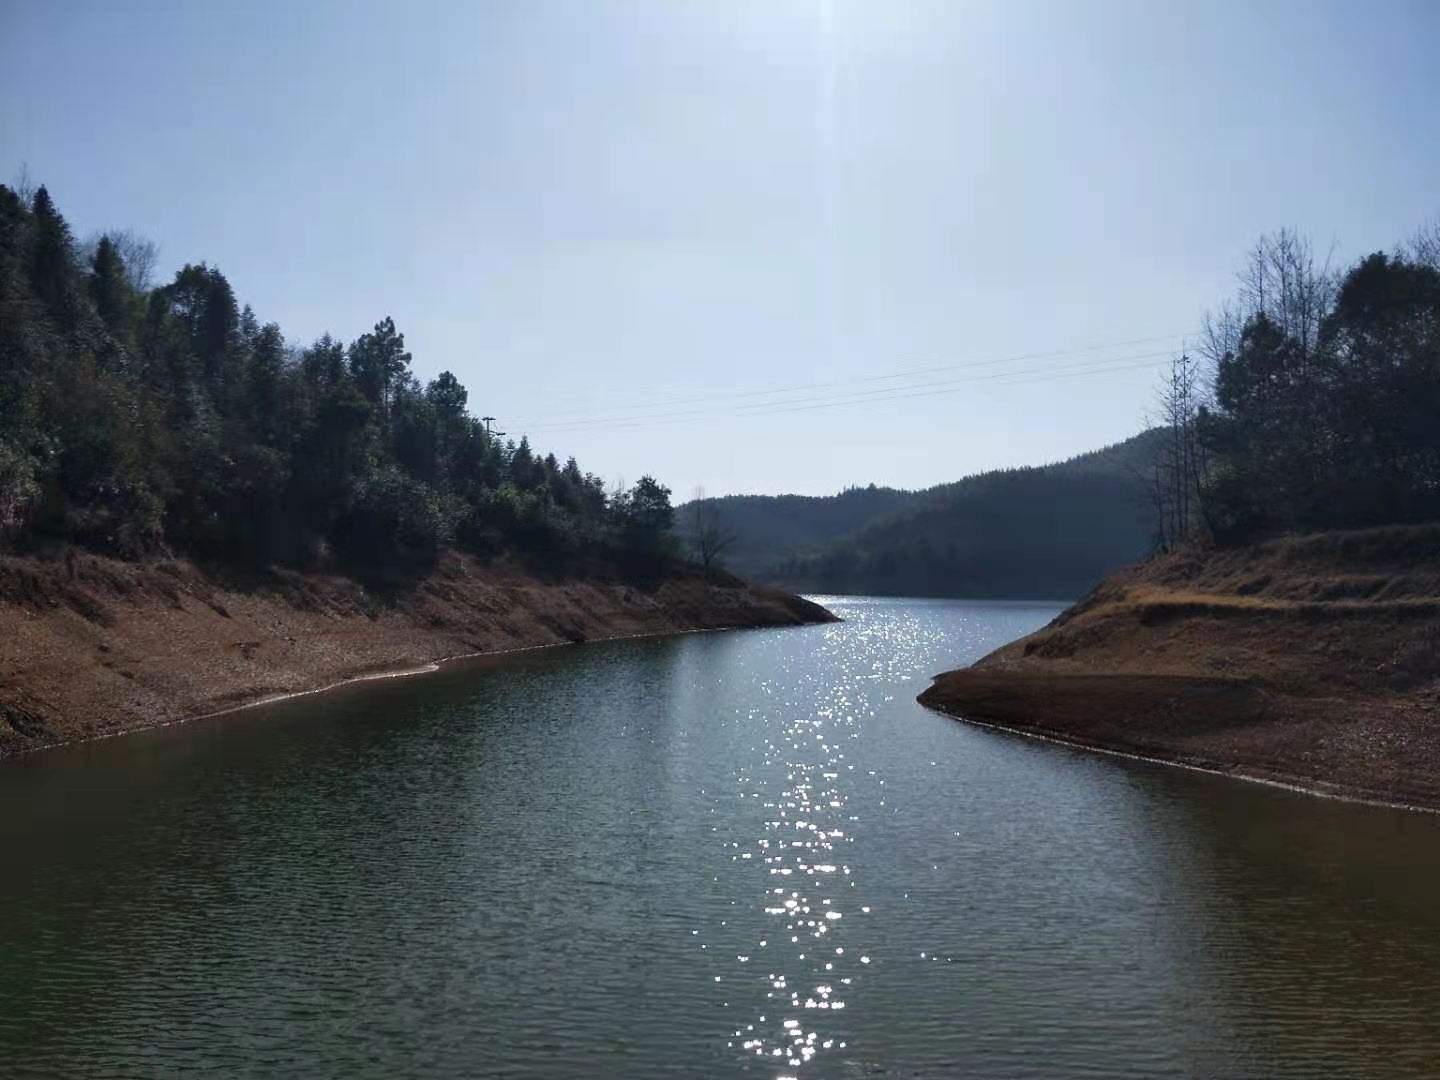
(770, 246)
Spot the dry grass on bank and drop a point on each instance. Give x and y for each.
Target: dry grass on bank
(1314, 660)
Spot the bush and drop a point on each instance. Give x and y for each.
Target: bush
(19, 489)
(395, 524)
(119, 518)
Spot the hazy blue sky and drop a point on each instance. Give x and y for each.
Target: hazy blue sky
(586, 209)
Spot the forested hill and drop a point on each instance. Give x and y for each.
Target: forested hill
(766, 527)
(1049, 531)
(139, 419)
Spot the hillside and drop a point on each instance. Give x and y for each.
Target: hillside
(350, 519)
(1312, 661)
(145, 421)
(95, 646)
(1046, 531)
(770, 528)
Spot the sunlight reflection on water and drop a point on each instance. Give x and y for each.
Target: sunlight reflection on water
(747, 854)
(793, 867)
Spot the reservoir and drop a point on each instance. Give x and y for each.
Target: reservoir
(744, 854)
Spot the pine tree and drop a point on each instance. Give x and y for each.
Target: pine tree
(523, 472)
(108, 289)
(378, 361)
(51, 258)
(203, 438)
(447, 395)
(323, 364)
(267, 364)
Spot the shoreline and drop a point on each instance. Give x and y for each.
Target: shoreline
(107, 647)
(432, 667)
(1296, 785)
(1308, 662)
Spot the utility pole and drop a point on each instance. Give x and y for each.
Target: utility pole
(487, 421)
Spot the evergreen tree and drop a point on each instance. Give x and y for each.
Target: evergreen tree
(201, 298)
(108, 289)
(522, 466)
(447, 395)
(378, 360)
(323, 364)
(51, 258)
(210, 440)
(266, 377)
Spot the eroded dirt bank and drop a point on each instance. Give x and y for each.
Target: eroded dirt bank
(96, 647)
(1309, 661)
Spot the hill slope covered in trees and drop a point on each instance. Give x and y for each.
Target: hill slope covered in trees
(139, 421)
(195, 514)
(1291, 632)
(1047, 531)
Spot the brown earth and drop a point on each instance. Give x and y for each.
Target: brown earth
(1312, 661)
(94, 646)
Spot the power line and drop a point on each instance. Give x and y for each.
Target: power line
(892, 394)
(544, 421)
(765, 408)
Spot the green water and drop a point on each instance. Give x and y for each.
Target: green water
(743, 854)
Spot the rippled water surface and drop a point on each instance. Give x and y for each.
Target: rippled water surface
(743, 854)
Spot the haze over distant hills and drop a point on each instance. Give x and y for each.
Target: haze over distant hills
(1049, 531)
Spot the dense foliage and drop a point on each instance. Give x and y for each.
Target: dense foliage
(1322, 408)
(136, 420)
(1049, 531)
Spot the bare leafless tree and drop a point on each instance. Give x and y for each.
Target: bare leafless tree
(24, 185)
(139, 256)
(710, 534)
(1424, 246)
(1181, 466)
(1283, 280)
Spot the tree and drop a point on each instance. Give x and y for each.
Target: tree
(1424, 247)
(1326, 398)
(447, 395)
(415, 437)
(710, 534)
(136, 420)
(202, 299)
(19, 489)
(1264, 432)
(1181, 467)
(1267, 362)
(265, 382)
(24, 185)
(525, 472)
(1382, 348)
(335, 447)
(323, 364)
(394, 525)
(377, 362)
(50, 266)
(1281, 280)
(648, 506)
(138, 255)
(108, 288)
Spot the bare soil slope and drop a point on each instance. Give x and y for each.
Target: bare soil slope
(98, 646)
(1312, 661)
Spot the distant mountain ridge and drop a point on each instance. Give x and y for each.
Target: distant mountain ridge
(1048, 531)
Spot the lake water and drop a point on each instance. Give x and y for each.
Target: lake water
(736, 854)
